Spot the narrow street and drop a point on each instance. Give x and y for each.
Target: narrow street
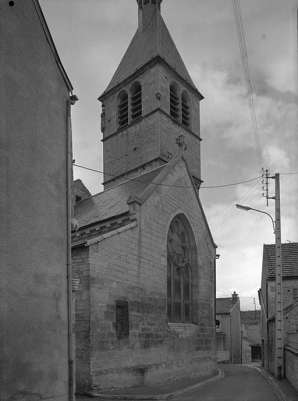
(241, 383)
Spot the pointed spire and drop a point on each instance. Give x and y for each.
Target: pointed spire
(142, 3)
(151, 39)
(146, 9)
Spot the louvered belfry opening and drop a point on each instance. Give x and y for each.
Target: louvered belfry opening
(122, 319)
(174, 102)
(123, 109)
(185, 109)
(136, 101)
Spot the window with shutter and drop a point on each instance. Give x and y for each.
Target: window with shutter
(174, 101)
(122, 109)
(185, 101)
(136, 101)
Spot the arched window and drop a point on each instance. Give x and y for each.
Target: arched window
(122, 109)
(178, 273)
(136, 100)
(174, 101)
(185, 101)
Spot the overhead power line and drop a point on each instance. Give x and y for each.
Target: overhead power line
(249, 92)
(170, 185)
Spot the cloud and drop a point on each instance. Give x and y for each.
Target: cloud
(276, 156)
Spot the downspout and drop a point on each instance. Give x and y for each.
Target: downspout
(69, 178)
(217, 256)
(231, 341)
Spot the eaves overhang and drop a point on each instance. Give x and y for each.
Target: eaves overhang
(155, 60)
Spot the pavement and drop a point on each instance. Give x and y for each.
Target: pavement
(283, 388)
(163, 391)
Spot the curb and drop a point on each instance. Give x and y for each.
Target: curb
(102, 396)
(281, 396)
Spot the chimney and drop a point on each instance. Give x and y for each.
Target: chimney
(234, 297)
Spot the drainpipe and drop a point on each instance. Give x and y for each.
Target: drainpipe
(69, 179)
(217, 256)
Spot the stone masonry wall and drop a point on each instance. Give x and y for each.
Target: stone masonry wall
(287, 286)
(154, 135)
(291, 363)
(81, 270)
(132, 266)
(290, 325)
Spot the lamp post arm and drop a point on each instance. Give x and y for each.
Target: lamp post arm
(273, 222)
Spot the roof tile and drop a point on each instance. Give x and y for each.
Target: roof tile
(224, 305)
(289, 259)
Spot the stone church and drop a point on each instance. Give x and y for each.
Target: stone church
(144, 254)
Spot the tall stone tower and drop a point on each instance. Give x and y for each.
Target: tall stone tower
(150, 101)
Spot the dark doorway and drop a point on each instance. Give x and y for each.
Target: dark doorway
(256, 353)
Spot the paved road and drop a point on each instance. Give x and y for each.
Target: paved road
(240, 383)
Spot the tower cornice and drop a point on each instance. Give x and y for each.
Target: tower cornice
(154, 60)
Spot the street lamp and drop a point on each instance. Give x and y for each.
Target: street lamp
(279, 359)
(247, 208)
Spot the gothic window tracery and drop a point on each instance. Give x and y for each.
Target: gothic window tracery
(178, 273)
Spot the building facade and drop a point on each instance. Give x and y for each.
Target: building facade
(228, 329)
(144, 253)
(267, 302)
(251, 336)
(34, 202)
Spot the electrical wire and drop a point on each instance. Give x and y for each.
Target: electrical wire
(170, 185)
(245, 67)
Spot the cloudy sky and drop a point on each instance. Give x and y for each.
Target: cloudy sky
(91, 37)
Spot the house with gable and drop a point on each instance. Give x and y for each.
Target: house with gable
(228, 329)
(144, 253)
(290, 308)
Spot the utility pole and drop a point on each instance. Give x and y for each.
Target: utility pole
(279, 363)
(278, 345)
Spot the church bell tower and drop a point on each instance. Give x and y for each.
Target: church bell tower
(150, 101)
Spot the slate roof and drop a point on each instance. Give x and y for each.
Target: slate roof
(155, 40)
(289, 259)
(80, 189)
(112, 202)
(224, 305)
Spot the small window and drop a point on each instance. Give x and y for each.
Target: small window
(123, 109)
(78, 198)
(136, 101)
(174, 101)
(122, 319)
(185, 109)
